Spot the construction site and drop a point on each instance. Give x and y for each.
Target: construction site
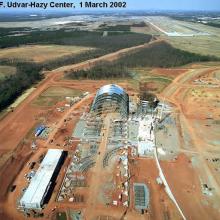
(108, 154)
(95, 168)
(135, 147)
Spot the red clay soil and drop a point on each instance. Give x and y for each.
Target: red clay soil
(161, 207)
(169, 72)
(18, 123)
(178, 93)
(13, 129)
(12, 167)
(8, 175)
(186, 187)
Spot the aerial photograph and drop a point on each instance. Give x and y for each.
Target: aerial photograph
(110, 110)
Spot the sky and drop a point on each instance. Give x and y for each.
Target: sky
(144, 4)
(175, 4)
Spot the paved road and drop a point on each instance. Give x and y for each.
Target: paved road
(167, 187)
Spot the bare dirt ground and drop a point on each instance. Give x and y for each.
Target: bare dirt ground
(17, 124)
(185, 184)
(194, 108)
(186, 188)
(172, 73)
(24, 157)
(161, 207)
(24, 115)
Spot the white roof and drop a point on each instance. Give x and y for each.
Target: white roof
(35, 192)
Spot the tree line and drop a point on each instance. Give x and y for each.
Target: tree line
(95, 39)
(12, 86)
(160, 54)
(103, 70)
(29, 73)
(156, 55)
(119, 27)
(103, 45)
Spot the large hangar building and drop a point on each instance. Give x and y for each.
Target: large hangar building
(111, 98)
(42, 183)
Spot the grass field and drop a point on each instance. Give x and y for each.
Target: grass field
(189, 36)
(205, 45)
(151, 79)
(55, 94)
(217, 75)
(144, 30)
(41, 53)
(6, 71)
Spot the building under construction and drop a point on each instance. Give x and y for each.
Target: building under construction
(111, 98)
(42, 184)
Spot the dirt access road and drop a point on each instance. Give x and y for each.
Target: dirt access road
(15, 126)
(175, 94)
(59, 125)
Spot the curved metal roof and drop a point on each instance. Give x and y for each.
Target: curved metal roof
(110, 89)
(110, 96)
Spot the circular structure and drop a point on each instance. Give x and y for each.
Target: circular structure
(111, 98)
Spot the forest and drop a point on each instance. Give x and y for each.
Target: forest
(115, 40)
(159, 54)
(111, 43)
(108, 44)
(103, 70)
(27, 74)
(162, 54)
(116, 28)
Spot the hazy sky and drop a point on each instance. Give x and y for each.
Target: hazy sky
(150, 4)
(176, 4)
